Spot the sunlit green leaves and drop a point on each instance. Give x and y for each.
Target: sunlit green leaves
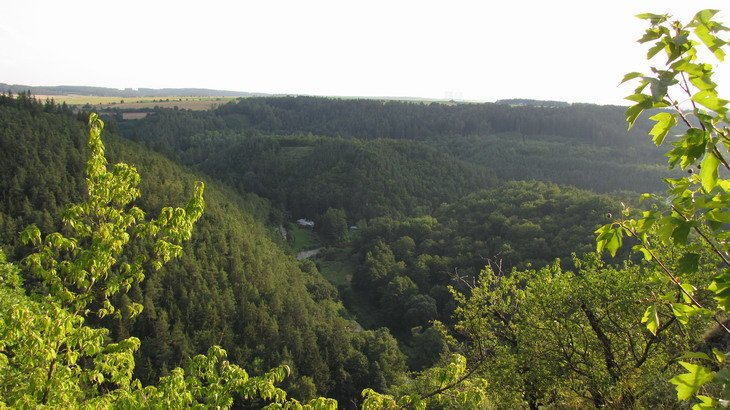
(689, 148)
(706, 403)
(706, 29)
(654, 19)
(642, 102)
(709, 172)
(721, 289)
(610, 237)
(664, 121)
(631, 76)
(439, 387)
(651, 319)
(700, 74)
(31, 235)
(76, 276)
(689, 383)
(694, 216)
(50, 358)
(710, 100)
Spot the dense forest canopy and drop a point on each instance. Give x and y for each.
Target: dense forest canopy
(581, 145)
(233, 286)
(455, 252)
(426, 218)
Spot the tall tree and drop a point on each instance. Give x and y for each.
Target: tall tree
(49, 356)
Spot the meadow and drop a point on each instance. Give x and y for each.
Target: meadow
(187, 103)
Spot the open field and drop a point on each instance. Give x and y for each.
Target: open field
(304, 239)
(187, 103)
(338, 272)
(336, 265)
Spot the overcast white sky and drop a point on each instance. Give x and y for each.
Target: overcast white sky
(575, 51)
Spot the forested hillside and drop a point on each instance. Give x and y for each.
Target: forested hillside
(233, 287)
(582, 145)
(421, 181)
(408, 120)
(404, 268)
(458, 256)
(306, 175)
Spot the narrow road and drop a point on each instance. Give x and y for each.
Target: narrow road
(307, 254)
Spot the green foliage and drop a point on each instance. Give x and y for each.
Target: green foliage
(569, 338)
(688, 384)
(86, 266)
(371, 158)
(692, 219)
(333, 225)
(232, 286)
(406, 265)
(49, 356)
(447, 387)
(306, 175)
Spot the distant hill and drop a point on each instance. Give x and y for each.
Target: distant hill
(126, 93)
(533, 103)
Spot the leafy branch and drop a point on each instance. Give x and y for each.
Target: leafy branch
(693, 217)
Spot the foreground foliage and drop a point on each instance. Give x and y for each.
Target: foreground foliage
(570, 337)
(692, 218)
(49, 356)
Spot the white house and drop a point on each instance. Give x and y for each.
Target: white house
(305, 223)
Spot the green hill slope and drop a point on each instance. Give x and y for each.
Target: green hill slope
(306, 175)
(234, 287)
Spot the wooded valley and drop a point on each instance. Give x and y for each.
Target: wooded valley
(492, 255)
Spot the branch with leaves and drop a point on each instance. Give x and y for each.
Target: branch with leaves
(693, 217)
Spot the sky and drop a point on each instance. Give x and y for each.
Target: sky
(575, 51)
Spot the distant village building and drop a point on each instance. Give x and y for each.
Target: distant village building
(305, 223)
(134, 115)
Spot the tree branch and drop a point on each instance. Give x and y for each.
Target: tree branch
(611, 365)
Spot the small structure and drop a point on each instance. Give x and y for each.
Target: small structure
(134, 115)
(306, 223)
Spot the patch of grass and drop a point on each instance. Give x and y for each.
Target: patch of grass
(187, 103)
(338, 272)
(304, 239)
(337, 266)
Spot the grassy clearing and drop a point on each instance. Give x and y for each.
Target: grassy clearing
(336, 266)
(304, 239)
(337, 272)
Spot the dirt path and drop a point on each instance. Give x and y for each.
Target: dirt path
(307, 254)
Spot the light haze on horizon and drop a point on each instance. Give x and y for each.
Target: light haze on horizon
(575, 51)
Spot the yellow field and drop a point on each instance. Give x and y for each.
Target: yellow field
(187, 103)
